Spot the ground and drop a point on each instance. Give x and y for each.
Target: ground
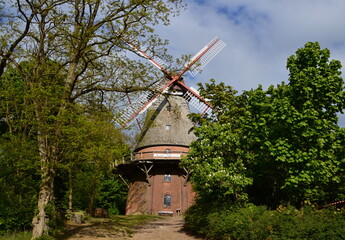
(168, 228)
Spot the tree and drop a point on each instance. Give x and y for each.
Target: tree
(216, 158)
(18, 154)
(85, 41)
(316, 93)
(285, 139)
(91, 146)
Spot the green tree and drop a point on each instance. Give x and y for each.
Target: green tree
(286, 139)
(84, 40)
(19, 178)
(316, 93)
(19, 182)
(216, 159)
(92, 145)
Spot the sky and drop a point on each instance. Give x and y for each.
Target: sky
(260, 36)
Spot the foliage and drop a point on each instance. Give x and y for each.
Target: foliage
(18, 184)
(64, 56)
(19, 160)
(26, 235)
(91, 148)
(278, 145)
(112, 195)
(219, 171)
(256, 222)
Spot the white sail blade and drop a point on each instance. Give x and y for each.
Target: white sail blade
(201, 106)
(205, 55)
(139, 106)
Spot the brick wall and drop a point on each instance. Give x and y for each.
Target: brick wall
(149, 198)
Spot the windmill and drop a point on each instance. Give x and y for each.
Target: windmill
(157, 184)
(193, 67)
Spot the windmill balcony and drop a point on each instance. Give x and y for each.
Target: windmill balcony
(159, 155)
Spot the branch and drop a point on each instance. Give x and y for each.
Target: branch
(107, 89)
(4, 60)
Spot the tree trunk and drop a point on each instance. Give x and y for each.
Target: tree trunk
(70, 192)
(46, 193)
(40, 221)
(92, 195)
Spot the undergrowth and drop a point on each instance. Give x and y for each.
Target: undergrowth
(257, 222)
(16, 236)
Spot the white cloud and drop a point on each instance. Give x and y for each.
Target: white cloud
(260, 35)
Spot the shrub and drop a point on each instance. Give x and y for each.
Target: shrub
(256, 222)
(309, 224)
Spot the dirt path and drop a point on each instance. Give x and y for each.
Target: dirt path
(169, 228)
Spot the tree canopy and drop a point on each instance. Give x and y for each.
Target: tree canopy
(68, 61)
(277, 145)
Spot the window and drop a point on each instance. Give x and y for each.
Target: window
(167, 177)
(167, 200)
(168, 127)
(167, 150)
(169, 107)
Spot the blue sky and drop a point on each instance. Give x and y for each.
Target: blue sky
(261, 35)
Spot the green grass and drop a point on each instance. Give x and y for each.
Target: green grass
(16, 236)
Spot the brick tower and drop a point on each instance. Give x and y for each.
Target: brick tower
(157, 184)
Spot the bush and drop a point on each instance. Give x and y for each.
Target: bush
(256, 222)
(15, 219)
(309, 224)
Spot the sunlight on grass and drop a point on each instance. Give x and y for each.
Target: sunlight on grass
(124, 223)
(17, 236)
(127, 221)
(132, 220)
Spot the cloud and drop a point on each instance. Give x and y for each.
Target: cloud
(261, 35)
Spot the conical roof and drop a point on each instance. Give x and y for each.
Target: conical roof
(167, 123)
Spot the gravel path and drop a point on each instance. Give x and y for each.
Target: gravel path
(169, 228)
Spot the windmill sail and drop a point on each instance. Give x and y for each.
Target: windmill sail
(141, 103)
(200, 60)
(194, 99)
(196, 103)
(205, 55)
(156, 61)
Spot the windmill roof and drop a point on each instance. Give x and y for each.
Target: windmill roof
(167, 123)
